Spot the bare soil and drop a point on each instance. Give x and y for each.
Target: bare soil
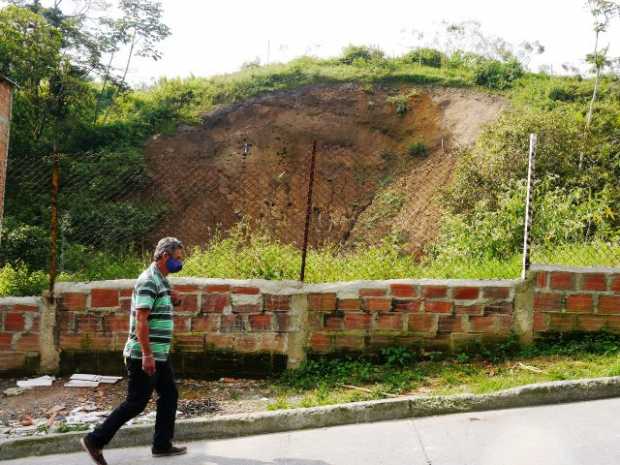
(251, 160)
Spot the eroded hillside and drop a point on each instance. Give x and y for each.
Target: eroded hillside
(252, 159)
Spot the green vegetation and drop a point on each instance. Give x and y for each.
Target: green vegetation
(107, 206)
(477, 369)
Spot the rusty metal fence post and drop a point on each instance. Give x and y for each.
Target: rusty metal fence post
(54, 226)
(304, 252)
(527, 233)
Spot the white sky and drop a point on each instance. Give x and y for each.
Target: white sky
(217, 36)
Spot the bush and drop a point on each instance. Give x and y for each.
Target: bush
(20, 281)
(361, 54)
(417, 149)
(425, 56)
(498, 75)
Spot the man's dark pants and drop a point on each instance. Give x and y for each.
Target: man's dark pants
(139, 393)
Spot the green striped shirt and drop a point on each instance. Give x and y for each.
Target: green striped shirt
(151, 294)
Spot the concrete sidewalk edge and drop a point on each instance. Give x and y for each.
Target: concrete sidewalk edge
(332, 415)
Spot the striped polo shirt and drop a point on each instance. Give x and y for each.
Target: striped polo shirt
(151, 293)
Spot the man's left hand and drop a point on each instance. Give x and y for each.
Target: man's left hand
(176, 298)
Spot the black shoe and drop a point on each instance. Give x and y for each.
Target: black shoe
(173, 450)
(93, 451)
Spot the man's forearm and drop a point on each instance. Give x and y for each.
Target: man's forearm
(142, 333)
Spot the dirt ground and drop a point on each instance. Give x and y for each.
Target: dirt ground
(58, 408)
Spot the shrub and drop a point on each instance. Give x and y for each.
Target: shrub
(425, 56)
(20, 281)
(498, 75)
(361, 54)
(417, 149)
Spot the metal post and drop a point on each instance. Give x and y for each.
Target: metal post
(527, 234)
(54, 225)
(308, 214)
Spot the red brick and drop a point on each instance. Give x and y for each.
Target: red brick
(5, 341)
(206, 323)
(496, 292)
(581, 303)
(422, 323)
(591, 322)
(277, 302)
(613, 323)
(218, 288)
(260, 322)
(322, 302)
(469, 310)
(182, 324)
(246, 290)
(73, 301)
(433, 292)
(562, 280)
(283, 321)
(186, 288)
(562, 322)
(126, 292)
(466, 293)
(546, 301)
(189, 342)
(247, 343)
(377, 304)
(609, 304)
(13, 322)
(594, 282)
(407, 306)
(357, 321)
(372, 292)
(349, 305)
(390, 321)
(615, 284)
(541, 279)
(437, 307)
(482, 324)
(540, 323)
(215, 303)
(505, 323)
(403, 290)
(349, 342)
(315, 320)
(450, 324)
(28, 343)
(189, 303)
(104, 298)
(504, 308)
(232, 323)
(334, 322)
(116, 323)
(25, 308)
(86, 324)
(272, 343)
(125, 305)
(320, 342)
(247, 308)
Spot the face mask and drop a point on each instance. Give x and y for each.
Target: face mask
(174, 265)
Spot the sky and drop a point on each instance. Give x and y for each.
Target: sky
(216, 37)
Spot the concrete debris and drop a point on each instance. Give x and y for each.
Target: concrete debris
(96, 378)
(12, 392)
(42, 381)
(76, 383)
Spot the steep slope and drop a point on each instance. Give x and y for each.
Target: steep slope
(251, 160)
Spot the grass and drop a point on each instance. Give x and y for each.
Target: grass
(479, 370)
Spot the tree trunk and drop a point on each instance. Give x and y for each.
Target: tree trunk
(122, 83)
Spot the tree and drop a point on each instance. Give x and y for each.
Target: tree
(603, 12)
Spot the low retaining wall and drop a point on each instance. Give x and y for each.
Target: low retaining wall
(257, 327)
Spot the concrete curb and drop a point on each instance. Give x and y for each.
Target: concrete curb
(332, 415)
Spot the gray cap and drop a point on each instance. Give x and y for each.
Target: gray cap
(167, 245)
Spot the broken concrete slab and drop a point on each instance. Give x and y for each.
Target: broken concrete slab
(96, 378)
(42, 381)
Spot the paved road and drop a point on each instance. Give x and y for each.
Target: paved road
(570, 434)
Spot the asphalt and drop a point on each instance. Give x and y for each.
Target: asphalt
(566, 434)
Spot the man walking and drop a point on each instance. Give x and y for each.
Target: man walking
(146, 356)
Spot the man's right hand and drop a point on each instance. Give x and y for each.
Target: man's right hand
(148, 364)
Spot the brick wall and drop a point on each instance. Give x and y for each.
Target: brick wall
(258, 327)
(576, 300)
(5, 116)
(19, 333)
(436, 314)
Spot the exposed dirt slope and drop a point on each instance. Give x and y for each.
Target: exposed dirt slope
(366, 182)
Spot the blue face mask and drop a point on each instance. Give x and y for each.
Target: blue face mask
(174, 265)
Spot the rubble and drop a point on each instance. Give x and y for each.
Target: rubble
(12, 392)
(42, 381)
